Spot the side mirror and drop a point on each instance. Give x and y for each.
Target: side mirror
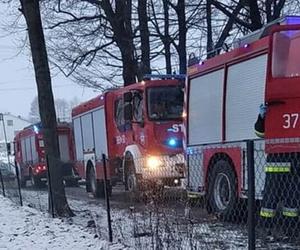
(8, 148)
(127, 96)
(128, 116)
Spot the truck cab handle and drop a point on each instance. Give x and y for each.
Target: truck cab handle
(275, 102)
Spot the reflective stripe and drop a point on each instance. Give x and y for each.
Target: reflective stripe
(278, 167)
(193, 195)
(259, 134)
(290, 212)
(277, 170)
(267, 212)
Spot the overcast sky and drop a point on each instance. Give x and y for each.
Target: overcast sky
(17, 82)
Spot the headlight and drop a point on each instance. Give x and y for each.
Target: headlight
(153, 162)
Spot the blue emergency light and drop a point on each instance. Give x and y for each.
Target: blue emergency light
(35, 129)
(172, 142)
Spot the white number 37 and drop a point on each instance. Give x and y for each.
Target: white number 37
(290, 120)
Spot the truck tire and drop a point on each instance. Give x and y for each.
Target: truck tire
(23, 182)
(22, 179)
(71, 183)
(36, 181)
(96, 186)
(132, 181)
(222, 191)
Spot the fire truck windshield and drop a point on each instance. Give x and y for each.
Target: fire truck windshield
(285, 54)
(165, 103)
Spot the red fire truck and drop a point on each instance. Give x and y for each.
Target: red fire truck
(223, 98)
(138, 128)
(30, 154)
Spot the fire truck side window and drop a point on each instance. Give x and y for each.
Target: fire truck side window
(119, 115)
(78, 138)
(285, 56)
(28, 149)
(33, 149)
(23, 147)
(138, 107)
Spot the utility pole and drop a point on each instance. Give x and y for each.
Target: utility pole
(5, 138)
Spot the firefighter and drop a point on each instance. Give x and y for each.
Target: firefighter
(280, 182)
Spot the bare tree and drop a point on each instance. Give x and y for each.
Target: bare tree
(34, 113)
(63, 109)
(31, 12)
(144, 66)
(107, 43)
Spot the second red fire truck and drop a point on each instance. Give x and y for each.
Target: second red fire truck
(138, 128)
(31, 159)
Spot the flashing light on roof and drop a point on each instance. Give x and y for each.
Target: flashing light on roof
(35, 129)
(201, 63)
(292, 20)
(246, 45)
(102, 97)
(143, 82)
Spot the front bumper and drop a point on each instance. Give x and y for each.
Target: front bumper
(164, 167)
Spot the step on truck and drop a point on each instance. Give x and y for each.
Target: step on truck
(223, 97)
(139, 129)
(31, 159)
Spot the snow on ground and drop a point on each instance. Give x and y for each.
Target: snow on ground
(27, 228)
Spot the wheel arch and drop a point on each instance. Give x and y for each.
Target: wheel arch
(232, 156)
(134, 152)
(89, 166)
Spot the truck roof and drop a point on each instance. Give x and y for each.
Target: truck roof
(29, 130)
(248, 50)
(248, 46)
(98, 101)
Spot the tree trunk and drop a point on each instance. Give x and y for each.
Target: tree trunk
(278, 6)
(182, 36)
(209, 42)
(166, 38)
(228, 26)
(31, 12)
(255, 17)
(145, 43)
(268, 6)
(120, 21)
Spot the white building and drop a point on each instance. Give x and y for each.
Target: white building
(12, 124)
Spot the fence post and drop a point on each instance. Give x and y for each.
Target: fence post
(19, 184)
(50, 188)
(107, 198)
(2, 183)
(251, 195)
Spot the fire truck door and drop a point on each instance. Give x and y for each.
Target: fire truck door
(138, 116)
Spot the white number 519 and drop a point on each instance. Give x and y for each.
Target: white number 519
(290, 120)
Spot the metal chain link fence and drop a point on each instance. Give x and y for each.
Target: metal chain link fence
(9, 182)
(229, 196)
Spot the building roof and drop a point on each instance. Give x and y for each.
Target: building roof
(16, 117)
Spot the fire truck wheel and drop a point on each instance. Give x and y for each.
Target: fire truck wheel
(131, 179)
(71, 183)
(131, 182)
(23, 182)
(96, 186)
(222, 190)
(36, 181)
